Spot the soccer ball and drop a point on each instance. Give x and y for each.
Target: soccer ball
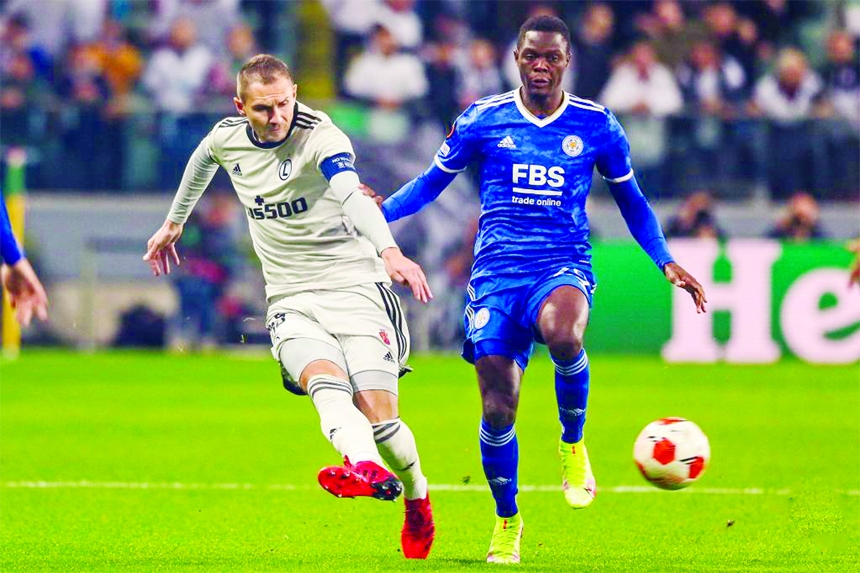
(672, 453)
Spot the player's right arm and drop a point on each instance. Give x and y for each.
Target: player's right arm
(161, 247)
(453, 156)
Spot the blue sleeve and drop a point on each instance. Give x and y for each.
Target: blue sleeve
(613, 159)
(9, 249)
(459, 147)
(335, 164)
(413, 196)
(641, 221)
(613, 162)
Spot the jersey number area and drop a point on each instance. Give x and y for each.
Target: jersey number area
(280, 210)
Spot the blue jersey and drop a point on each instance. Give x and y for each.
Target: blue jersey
(535, 178)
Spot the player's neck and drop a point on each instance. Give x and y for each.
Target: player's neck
(542, 106)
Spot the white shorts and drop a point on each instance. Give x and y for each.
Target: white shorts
(364, 322)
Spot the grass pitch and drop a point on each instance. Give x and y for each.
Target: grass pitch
(149, 462)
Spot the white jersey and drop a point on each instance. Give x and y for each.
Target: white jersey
(299, 230)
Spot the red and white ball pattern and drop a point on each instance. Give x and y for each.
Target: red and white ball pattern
(672, 453)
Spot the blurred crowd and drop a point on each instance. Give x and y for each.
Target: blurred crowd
(718, 94)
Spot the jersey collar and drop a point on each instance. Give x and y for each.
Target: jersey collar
(272, 144)
(540, 122)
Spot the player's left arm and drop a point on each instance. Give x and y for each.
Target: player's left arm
(614, 165)
(368, 220)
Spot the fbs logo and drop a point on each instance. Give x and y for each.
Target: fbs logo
(384, 336)
(537, 175)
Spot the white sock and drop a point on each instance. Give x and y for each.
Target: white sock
(397, 445)
(341, 422)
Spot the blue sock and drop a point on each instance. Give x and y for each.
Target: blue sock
(571, 391)
(500, 456)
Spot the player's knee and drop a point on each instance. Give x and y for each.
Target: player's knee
(499, 409)
(565, 347)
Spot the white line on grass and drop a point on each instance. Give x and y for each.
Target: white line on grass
(85, 484)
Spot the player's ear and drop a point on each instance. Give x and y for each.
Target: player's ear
(240, 107)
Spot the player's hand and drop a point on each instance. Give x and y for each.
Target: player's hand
(161, 248)
(407, 272)
(682, 279)
(26, 294)
(369, 192)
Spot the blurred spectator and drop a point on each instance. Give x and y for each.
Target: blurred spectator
(842, 77)
(441, 55)
(15, 40)
(714, 86)
(402, 21)
(24, 69)
(353, 21)
(120, 64)
(670, 32)
(212, 18)
(712, 82)
(85, 94)
(57, 23)
(695, 219)
(241, 46)
(511, 72)
(734, 36)
(788, 97)
(799, 222)
(209, 260)
(384, 75)
(777, 22)
(592, 50)
(642, 86)
(479, 76)
(646, 91)
(19, 91)
(176, 72)
(841, 106)
(175, 77)
(119, 60)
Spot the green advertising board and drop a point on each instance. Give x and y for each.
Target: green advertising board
(766, 300)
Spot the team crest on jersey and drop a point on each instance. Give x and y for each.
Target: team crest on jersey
(445, 149)
(572, 145)
(384, 336)
(482, 318)
(285, 169)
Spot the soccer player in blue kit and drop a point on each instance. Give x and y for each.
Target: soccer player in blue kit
(536, 148)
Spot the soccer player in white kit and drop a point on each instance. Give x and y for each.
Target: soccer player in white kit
(328, 258)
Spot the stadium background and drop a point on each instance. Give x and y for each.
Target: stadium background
(745, 128)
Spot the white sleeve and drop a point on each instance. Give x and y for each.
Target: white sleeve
(198, 174)
(362, 210)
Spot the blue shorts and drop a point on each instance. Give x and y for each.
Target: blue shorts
(501, 312)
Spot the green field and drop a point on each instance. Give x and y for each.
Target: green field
(150, 462)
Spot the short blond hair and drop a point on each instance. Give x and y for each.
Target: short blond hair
(262, 68)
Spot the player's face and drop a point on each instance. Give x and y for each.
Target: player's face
(269, 108)
(542, 60)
